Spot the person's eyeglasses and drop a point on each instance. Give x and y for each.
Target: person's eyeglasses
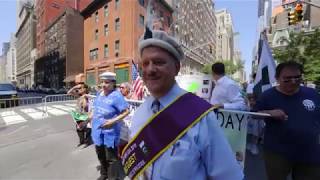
(292, 79)
(121, 87)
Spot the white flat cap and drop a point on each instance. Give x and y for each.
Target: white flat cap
(108, 76)
(163, 40)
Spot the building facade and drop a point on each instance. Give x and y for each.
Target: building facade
(11, 61)
(237, 59)
(194, 26)
(47, 11)
(26, 42)
(2, 68)
(111, 33)
(263, 28)
(280, 30)
(63, 55)
(225, 36)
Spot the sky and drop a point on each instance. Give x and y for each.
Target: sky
(8, 20)
(244, 14)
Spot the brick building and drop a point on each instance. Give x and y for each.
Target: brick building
(111, 32)
(63, 51)
(47, 11)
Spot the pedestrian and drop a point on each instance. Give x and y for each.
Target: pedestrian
(292, 133)
(84, 132)
(174, 134)
(250, 86)
(255, 127)
(109, 108)
(125, 89)
(226, 93)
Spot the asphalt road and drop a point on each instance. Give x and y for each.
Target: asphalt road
(46, 149)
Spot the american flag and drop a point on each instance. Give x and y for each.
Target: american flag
(137, 83)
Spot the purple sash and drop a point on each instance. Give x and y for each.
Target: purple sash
(161, 131)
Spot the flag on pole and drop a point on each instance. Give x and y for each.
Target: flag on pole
(265, 75)
(137, 83)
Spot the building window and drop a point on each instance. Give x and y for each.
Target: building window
(141, 20)
(106, 30)
(90, 79)
(117, 26)
(117, 4)
(106, 50)
(117, 45)
(96, 34)
(106, 11)
(141, 2)
(94, 54)
(96, 17)
(122, 75)
(91, 55)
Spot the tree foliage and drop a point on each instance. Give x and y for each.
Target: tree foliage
(303, 48)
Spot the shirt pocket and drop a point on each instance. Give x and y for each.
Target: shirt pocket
(181, 161)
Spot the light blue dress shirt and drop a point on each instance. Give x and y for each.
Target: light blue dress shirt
(105, 108)
(202, 153)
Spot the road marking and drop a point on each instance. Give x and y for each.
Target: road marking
(29, 110)
(64, 107)
(7, 113)
(72, 105)
(56, 112)
(33, 113)
(14, 119)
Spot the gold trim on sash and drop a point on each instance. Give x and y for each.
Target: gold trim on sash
(168, 146)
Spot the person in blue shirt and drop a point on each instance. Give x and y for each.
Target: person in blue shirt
(109, 107)
(203, 152)
(292, 134)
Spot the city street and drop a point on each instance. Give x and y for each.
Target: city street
(45, 148)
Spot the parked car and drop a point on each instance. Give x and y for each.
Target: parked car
(8, 95)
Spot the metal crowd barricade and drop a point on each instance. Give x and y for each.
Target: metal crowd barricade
(126, 123)
(20, 101)
(134, 104)
(54, 99)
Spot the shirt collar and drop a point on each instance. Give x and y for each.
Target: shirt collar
(221, 80)
(170, 96)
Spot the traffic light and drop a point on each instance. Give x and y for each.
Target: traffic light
(299, 10)
(292, 18)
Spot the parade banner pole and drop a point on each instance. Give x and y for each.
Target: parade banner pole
(245, 112)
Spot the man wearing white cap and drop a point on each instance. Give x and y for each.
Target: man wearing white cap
(109, 107)
(174, 134)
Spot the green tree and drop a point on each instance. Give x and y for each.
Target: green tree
(206, 69)
(303, 48)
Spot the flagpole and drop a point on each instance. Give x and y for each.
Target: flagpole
(135, 66)
(245, 112)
